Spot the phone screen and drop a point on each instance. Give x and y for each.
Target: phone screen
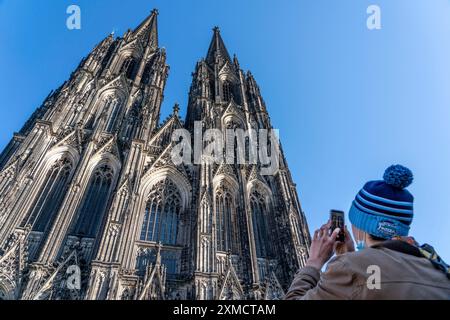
(337, 221)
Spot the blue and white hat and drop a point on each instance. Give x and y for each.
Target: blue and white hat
(385, 208)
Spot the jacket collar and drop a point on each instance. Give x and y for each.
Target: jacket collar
(424, 251)
(399, 246)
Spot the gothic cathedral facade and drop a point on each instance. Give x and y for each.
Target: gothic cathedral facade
(92, 207)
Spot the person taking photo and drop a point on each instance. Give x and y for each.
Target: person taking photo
(387, 264)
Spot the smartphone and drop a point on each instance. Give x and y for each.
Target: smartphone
(337, 221)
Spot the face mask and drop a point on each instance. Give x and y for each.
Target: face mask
(360, 245)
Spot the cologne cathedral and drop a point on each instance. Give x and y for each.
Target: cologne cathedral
(92, 206)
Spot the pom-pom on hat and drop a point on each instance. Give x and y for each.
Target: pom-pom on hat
(385, 208)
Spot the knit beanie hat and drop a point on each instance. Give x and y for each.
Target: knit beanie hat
(385, 208)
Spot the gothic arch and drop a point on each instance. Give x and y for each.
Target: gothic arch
(260, 208)
(226, 179)
(58, 152)
(104, 158)
(154, 176)
(110, 103)
(226, 74)
(129, 67)
(128, 52)
(165, 194)
(225, 213)
(162, 213)
(45, 164)
(51, 194)
(116, 86)
(63, 155)
(132, 48)
(257, 184)
(98, 184)
(50, 158)
(92, 209)
(229, 85)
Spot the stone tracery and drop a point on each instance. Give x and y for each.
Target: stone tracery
(91, 170)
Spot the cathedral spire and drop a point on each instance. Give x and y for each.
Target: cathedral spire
(176, 109)
(217, 49)
(148, 29)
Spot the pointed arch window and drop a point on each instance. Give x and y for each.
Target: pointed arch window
(128, 68)
(147, 73)
(260, 225)
(112, 106)
(225, 226)
(226, 88)
(50, 196)
(148, 70)
(107, 57)
(162, 214)
(131, 123)
(90, 215)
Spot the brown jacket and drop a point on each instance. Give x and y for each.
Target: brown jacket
(402, 276)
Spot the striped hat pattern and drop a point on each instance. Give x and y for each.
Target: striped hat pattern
(385, 208)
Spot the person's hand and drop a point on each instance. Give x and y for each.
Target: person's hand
(322, 246)
(347, 246)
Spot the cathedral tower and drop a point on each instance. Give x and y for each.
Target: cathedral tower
(251, 232)
(93, 207)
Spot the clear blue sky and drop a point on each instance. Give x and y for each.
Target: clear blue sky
(348, 101)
